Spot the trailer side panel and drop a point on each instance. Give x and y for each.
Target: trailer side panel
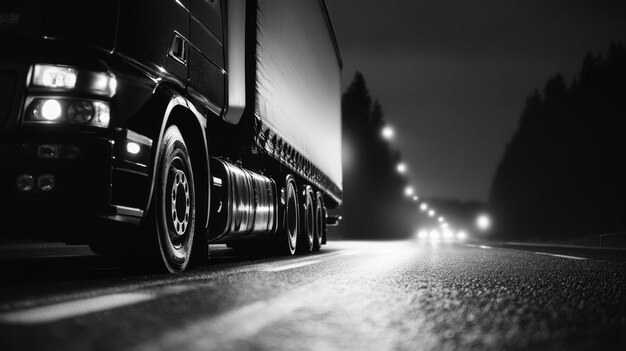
(298, 87)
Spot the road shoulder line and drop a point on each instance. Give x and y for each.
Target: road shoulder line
(289, 266)
(74, 308)
(559, 246)
(561, 256)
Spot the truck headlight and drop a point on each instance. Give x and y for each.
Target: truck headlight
(62, 78)
(61, 110)
(61, 94)
(50, 110)
(52, 76)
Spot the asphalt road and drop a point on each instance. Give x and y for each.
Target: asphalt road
(404, 295)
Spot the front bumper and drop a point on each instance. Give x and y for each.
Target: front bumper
(95, 178)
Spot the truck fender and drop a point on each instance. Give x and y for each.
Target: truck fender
(192, 123)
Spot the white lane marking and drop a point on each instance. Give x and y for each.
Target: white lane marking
(78, 307)
(346, 253)
(69, 309)
(240, 323)
(478, 246)
(304, 261)
(289, 266)
(564, 246)
(224, 331)
(562, 256)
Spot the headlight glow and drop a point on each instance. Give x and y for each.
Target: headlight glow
(52, 76)
(68, 111)
(133, 148)
(61, 94)
(51, 110)
(100, 83)
(103, 114)
(434, 235)
(70, 78)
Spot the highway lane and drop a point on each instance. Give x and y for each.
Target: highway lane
(404, 295)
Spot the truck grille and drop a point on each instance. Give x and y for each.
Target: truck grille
(7, 92)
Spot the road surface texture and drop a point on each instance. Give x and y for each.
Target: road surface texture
(404, 295)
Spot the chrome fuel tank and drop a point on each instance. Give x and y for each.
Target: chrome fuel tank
(244, 203)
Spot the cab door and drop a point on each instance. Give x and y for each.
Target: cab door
(206, 55)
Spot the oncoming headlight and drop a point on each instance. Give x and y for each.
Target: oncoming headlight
(58, 110)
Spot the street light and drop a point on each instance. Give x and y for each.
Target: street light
(483, 222)
(423, 206)
(431, 213)
(415, 198)
(401, 167)
(387, 132)
(440, 219)
(408, 191)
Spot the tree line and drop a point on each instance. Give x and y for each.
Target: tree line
(563, 174)
(374, 205)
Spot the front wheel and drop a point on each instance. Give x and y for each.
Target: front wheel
(174, 205)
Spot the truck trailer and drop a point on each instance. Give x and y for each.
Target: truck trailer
(152, 129)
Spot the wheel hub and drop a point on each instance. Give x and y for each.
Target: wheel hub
(180, 202)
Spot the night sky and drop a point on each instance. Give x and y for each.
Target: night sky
(452, 75)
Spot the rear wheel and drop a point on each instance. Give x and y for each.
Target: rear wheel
(288, 237)
(319, 222)
(307, 226)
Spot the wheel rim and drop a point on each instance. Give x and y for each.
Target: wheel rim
(292, 219)
(310, 221)
(179, 205)
(319, 224)
(178, 209)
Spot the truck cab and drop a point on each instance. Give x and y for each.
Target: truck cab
(108, 113)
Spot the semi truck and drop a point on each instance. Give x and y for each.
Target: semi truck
(153, 129)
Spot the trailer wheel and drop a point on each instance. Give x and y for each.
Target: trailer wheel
(288, 238)
(324, 226)
(307, 227)
(174, 204)
(319, 222)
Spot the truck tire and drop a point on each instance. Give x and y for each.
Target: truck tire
(319, 222)
(307, 224)
(174, 206)
(324, 226)
(288, 236)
